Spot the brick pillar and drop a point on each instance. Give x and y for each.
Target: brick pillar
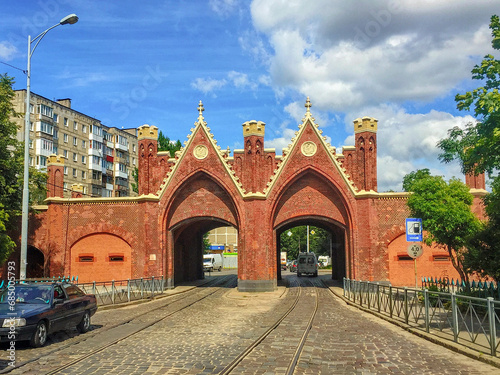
(365, 132)
(475, 182)
(253, 160)
(147, 139)
(77, 191)
(55, 180)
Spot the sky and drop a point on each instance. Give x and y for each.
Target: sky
(129, 63)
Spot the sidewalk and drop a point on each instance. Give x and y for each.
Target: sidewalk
(336, 288)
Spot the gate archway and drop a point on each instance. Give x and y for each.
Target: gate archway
(338, 244)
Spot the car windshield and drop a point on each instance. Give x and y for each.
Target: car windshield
(27, 294)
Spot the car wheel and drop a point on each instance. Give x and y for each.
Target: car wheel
(84, 325)
(220, 269)
(299, 274)
(39, 338)
(315, 274)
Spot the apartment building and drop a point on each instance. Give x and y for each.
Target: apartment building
(98, 157)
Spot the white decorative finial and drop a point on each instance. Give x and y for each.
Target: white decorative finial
(308, 105)
(200, 109)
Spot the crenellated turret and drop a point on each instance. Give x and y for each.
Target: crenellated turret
(253, 158)
(147, 138)
(55, 178)
(365, 166)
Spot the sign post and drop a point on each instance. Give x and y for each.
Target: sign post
(413, 230)
(415, 251)
(414, 235)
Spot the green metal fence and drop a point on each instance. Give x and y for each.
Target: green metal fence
(471, 321)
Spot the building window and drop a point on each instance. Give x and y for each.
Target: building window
(75, 125)
(440, 258)
(84, 128)
(116, 258)
(46, 128)
(56, 117)
(75, 141)
(56, 133)
(74, 173)
(31, 143)
(84, 159)
(65, 136)
(84, 175)
(65, 153)
(86, 258)
(404, 257)
(84, 144)
(65, 121)
(45, 110)
(31, 125)
(66, 171)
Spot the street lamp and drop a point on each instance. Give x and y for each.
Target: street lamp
(70, 19)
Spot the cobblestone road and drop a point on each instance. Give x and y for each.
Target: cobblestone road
(207, 336)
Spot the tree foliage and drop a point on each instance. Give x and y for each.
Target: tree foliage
(165, 144)
(483, 256)
(319, 241)
(477, 147)
(11, 164)
(445, 210)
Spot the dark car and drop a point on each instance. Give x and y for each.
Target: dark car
(32, 311)
(293, 266)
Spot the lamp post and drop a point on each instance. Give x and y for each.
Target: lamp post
(70, 19)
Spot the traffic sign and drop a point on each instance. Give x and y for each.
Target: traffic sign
(413, 230)
(415, 250)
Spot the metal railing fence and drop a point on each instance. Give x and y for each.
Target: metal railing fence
(478, 288)
(114, 291)
(471, 321)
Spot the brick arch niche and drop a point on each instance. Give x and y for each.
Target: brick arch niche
(97, 256)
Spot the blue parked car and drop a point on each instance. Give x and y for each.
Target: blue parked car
(31, 311)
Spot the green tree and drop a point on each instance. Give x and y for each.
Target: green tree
(11, 165)
(483, 256)
(135, 176)
(165, 144)
(319, 241)
(477, 147)
(445, 210)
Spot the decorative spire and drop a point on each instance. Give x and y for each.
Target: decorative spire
(200, 111)
(308, 105)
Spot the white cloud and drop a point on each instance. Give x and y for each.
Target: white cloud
(406, 142)
(224, 8)
(208, 85)
(235, 79)
(7, 51)
(352, 54)
(241, 81)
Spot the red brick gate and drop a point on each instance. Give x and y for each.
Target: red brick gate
(256, 191)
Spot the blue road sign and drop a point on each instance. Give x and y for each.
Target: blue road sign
(214, 247)
(413, 230)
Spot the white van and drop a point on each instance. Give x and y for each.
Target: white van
(212, 262)
(307, 264)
